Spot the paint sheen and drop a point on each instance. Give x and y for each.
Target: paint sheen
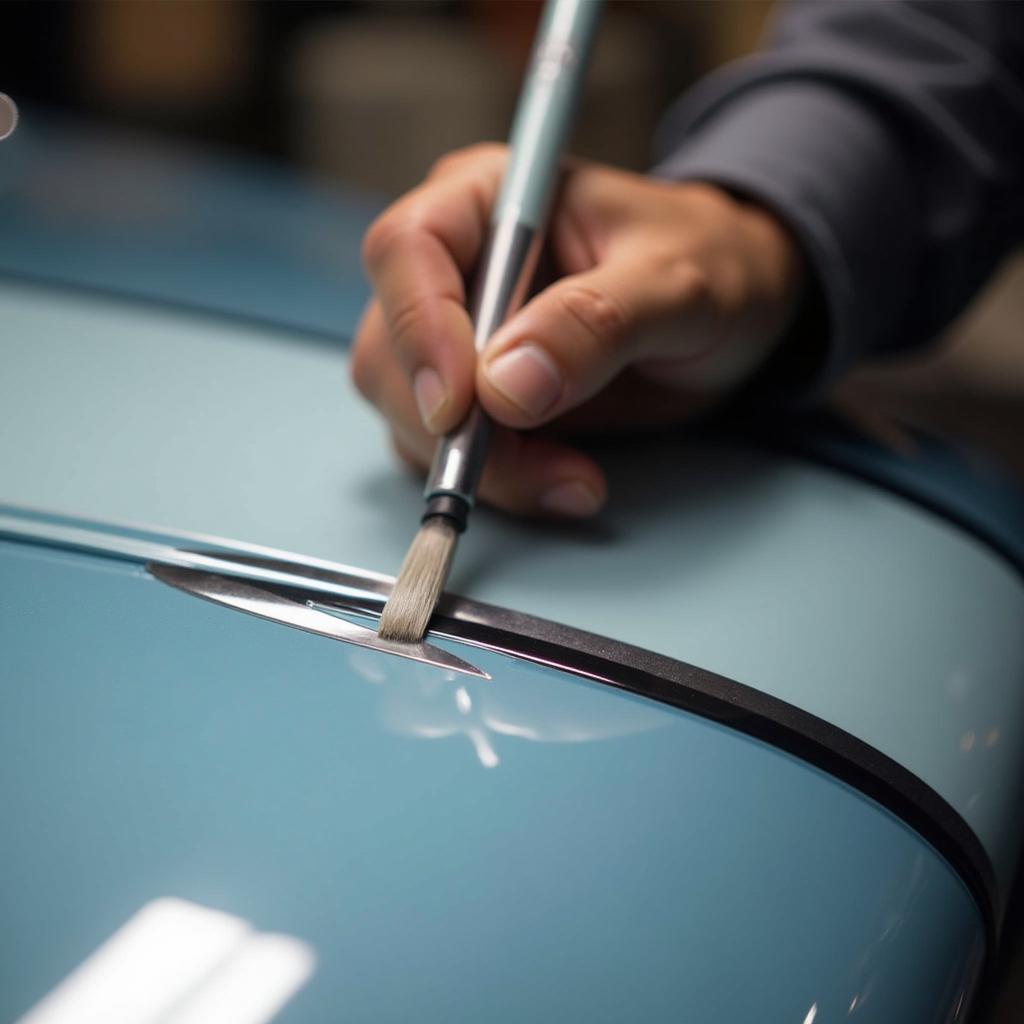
(818, 589)
(534, 846)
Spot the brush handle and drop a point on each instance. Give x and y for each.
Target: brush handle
(547, 105)
(539, 133)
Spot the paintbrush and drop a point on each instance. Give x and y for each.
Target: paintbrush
(543, 117)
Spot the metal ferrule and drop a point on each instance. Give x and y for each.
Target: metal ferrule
(543, 117)
(500, 290)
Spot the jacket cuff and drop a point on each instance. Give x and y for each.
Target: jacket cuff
(829, 167)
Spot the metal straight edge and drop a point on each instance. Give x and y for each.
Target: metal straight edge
(97, 542)
(230, 581)
(19, 519)
(233, 592)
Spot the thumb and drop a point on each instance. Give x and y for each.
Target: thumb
(573, 338)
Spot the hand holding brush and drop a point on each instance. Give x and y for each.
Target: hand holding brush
(541, 126)
(669, 296)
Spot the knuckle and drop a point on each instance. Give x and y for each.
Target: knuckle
(484, 153)
(447, 162)
(600, 316)
(380, 238)
(688, 282)
(481, 152)
(411, 323)
(488, 152)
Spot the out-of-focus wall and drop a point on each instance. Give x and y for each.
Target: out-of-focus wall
(369, 92)
(375, 103)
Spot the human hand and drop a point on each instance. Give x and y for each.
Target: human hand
(668, 297)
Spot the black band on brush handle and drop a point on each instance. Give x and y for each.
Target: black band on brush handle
(451, 506)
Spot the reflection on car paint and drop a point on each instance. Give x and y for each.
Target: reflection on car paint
(425, 703)
(176, 962)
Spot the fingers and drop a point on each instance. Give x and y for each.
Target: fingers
(417, 255)
(526, 475)
(681, 286)
(569, 342)
(380, 377)
(534, 476)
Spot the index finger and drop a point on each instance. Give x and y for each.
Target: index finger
(418, 254)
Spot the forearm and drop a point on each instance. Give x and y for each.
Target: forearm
(887, 137)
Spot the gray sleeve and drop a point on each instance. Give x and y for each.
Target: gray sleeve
(889, 136)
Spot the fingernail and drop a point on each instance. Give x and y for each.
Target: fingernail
(528, 377)
(430, 394)
(571, 498)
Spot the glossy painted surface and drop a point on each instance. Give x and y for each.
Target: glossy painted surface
(135, 215)
(968, 486)
(844, 600)
(530, 847)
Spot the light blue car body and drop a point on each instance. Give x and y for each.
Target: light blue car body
(538, 845)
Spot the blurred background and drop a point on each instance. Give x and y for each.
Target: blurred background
(368, 92)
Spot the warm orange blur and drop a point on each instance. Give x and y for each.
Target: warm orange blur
(372, 93)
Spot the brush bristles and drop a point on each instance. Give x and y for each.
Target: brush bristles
(420, 581)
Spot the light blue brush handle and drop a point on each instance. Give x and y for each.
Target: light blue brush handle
(543, 119)
(545, 112)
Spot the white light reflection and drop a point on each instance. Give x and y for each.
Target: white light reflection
(959, 1005)
(368, 666)
(175, 962)
(524, 732)
(811, 1014)
(252, 985)
(486, 754)
(420, 701)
